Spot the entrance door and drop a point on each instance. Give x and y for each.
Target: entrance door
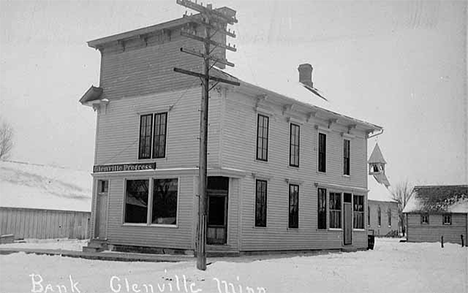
(101, 210)
(218, 188)
(348, 219)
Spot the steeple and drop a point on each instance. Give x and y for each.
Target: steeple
(377, 166)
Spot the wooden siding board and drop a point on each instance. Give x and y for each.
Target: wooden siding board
(239, 146)
(432, 232)
(174, 237)
(39, 223)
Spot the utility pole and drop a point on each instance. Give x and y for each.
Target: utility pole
(213, 22)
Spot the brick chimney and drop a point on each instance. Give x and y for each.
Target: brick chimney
(305, 74)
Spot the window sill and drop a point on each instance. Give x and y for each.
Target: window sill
(346, 176)
(323, 173)
(359, 230)
(335, 229)
(149, 225)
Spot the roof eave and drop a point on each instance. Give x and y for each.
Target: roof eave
(92, 96)
(368, 127)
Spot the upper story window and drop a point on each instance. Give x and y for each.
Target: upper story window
(447, 219)
(322, 149)
(335, 210)
(262, 137)
(293, 206)
(358, 211)
(261, 203)
(346, 156)
(152, 136)
(322, 209)
(294, 137)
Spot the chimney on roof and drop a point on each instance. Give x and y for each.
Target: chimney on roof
(305, 74)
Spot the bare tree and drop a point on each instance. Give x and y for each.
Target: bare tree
(402, 193)
(6, 140)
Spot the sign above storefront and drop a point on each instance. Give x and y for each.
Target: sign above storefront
(124, 167)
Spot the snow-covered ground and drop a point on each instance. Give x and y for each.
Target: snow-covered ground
(63, 244)
(26, 185)
(391, 267)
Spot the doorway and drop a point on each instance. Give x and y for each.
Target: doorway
(218, 190)
(348, 219)
(101, 209)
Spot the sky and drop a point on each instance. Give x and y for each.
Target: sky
(399, 64)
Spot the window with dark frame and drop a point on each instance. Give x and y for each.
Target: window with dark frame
(358, 211)
(136, 201)
(425, 219)
(261, 203)
(165, 201)
(294, 138)
(447, 219)
(262, 137)
(159, 140)
(379, 216)
(293, 206)
(322, 209)
(335, 210)
(389, 214)
(322, 145)
(146, 124)
(153, 128)
(346, 156)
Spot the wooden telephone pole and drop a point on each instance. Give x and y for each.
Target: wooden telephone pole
(213, 22)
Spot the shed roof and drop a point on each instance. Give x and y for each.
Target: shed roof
(438, 199)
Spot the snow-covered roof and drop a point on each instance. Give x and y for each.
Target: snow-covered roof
(304, 97)
(438, 199)
(25, 185)
(378, 191)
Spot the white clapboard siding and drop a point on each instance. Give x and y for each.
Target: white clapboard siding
(433, 231)
(238, 151)
(118, 131)
(141, 70)
(179, 237)
(44, 224)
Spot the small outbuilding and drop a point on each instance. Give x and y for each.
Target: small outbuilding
(437, 211)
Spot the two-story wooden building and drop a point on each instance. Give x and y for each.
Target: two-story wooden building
(283, 174)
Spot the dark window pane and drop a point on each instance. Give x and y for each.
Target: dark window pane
(358, 212)
(294, 137)
(346, 156)
(160, 123)
(216, 214)
(293, 206)
(335, 210)
(262, 137)
(146, 122)
(322, 208)
(136, 201)
(322, 167)
(165, 201)
(261, 203)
